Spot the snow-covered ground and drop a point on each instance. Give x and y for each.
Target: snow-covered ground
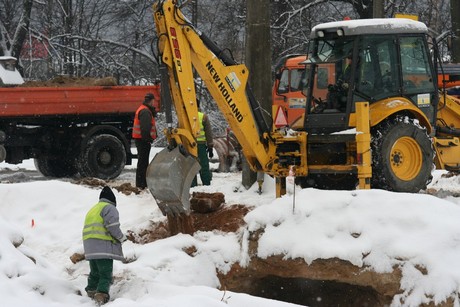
(396, 229)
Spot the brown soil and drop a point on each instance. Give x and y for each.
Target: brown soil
(226, 219)
(64, 81)
(223, 218)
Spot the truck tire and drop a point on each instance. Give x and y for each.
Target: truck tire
(402, 156)
(103, 157)
(58, 168)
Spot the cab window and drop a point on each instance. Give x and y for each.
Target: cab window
(415, 66)
(297, 79)
(283, 85)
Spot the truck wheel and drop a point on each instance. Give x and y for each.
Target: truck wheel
(402, 156)
(55, 167)
(103, 157)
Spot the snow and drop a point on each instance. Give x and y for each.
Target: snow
(9, 76)
(408, 231)
(373, 26)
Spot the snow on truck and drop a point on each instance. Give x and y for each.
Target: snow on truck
(67, 130)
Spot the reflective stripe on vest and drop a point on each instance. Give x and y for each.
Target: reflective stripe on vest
(94, 224)
(137, 125)
(201, 136)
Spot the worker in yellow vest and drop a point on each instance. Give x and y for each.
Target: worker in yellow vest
(205, 148)
(102, 238)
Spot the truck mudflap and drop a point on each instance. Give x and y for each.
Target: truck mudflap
(169, 177)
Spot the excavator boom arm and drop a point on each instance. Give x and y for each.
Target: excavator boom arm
(183, 50)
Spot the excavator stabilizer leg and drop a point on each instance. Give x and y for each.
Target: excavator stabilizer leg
(169, 177)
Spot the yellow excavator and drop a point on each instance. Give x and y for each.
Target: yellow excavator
(382, 123)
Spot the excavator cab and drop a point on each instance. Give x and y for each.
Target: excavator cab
(387, 63)
(353, 63)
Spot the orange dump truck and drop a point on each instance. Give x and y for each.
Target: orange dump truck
(70, 130)
(451, 79)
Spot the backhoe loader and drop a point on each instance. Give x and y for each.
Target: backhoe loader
(387, 113)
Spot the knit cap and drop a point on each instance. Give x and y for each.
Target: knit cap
(107, 193)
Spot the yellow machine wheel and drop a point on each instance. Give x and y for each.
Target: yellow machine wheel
(406, 158)
(402, 156)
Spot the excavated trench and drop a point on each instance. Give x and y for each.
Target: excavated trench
(324, 282)
(314, 293)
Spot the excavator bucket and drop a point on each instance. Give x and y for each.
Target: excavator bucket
(169, 177)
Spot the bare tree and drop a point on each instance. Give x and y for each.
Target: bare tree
(96, 38)
(9, 23)
(114, 38)
(292, 19)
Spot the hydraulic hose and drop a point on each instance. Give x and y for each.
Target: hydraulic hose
(449, 131)
(166, 100)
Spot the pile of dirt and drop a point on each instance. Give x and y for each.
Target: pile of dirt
(206, 202)
(225, 219)
(66, 81)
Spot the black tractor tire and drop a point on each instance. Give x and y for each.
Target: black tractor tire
(56, 167)
(102, 157)
(402, 156)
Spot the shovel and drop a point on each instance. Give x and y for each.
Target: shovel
(169, 177)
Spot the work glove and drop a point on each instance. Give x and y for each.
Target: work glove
(123, 239)
(210, 152)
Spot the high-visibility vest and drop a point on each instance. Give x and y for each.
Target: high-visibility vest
(137, 125)
(94, 224)
(201, 136)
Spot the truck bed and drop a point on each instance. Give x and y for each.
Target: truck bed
(452, 75)
(62, 101)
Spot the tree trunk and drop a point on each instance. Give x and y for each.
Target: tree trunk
(258, 61)
(378, 9)
(68, 26)
(3, 39)
(22, 29)
(455, 18)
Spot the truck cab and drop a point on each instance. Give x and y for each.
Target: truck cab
(9, 75)
(288, 86)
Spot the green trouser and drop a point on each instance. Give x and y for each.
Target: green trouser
(100, 275)
(205, 172)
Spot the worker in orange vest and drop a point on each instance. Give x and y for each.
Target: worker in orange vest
(144, 132)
